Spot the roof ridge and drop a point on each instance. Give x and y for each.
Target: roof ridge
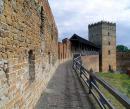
(83, 40)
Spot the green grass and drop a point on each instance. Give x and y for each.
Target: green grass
(119, 81)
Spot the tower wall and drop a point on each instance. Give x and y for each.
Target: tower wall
(103, 34)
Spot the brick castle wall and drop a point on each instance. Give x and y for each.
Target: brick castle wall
(91, 62)
(123, 61)
(28, 51)
(60, 51)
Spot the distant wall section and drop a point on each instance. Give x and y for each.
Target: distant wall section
(91, 62)
(64, 50)
(123, 61)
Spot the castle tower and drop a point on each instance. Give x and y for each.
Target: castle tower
(103, 34)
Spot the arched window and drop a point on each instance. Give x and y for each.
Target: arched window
(31, 61)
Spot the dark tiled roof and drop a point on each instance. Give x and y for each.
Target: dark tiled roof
(82, 40)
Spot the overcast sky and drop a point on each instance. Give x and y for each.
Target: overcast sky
(73, 16)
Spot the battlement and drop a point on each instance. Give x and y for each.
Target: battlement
(102, 22)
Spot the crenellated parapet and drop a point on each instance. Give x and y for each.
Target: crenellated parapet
(102, 23)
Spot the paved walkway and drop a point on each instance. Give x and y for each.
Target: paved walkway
(64, 91)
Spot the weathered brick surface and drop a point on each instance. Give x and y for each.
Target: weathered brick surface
(60, 50)
(26, 25)
(64, 49)
(91, 62)
(123, 61)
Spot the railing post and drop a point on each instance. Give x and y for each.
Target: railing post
(80, 71)
(91, 79)
(90, 83)
(73, 64)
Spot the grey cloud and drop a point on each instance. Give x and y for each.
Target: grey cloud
(73, 16)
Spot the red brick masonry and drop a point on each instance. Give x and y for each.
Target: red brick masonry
(91, 61)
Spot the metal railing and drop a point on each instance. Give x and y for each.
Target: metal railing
(91, 80)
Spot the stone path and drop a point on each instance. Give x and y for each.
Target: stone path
(64, 91)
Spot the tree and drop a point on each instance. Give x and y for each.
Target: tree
(129, 50)
(122, 48)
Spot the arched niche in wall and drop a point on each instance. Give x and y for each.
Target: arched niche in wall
(31, 61)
